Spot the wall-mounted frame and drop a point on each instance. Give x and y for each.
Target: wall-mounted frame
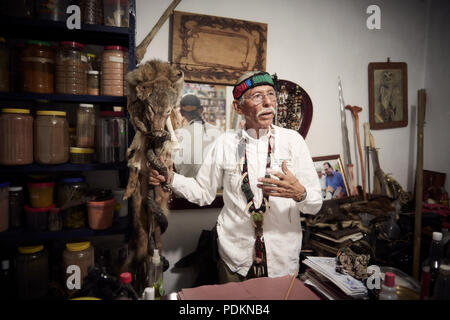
(388, 95)
(217, 50)
(338, 170)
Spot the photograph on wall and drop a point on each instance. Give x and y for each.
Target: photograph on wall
(332, 177)
(388, 95)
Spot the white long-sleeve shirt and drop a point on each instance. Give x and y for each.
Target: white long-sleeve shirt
(236, 234)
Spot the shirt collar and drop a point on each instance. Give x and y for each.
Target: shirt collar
(269, 133)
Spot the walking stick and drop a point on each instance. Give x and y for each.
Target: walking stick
(354, 110)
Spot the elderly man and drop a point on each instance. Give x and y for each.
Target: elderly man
(268, 178)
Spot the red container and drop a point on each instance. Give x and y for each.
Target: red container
(101, 214)
(37, 218)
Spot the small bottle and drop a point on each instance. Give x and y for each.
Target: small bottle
(149, 294)
(442, 287)
(155, 275)
(126, 291)
(434, 260)
(5, 280)
(388, 290)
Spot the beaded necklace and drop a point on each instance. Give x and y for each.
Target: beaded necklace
(256, 214)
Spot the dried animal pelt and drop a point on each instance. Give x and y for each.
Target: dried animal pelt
(155, 88)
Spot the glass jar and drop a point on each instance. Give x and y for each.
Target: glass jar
(81, 155)
(4, 66)
(4, 208)
(37, 67)
(125, 70)
(112, 137)
(32, 272)
(112, 71)
(51, 137)
(71, 64)
(52, 10)
(90, 11)
(85, 126)
(72, 192)
(16, 203)
(80, 254)
(16, 136)
(93, 83)
(115, 13)
(37, 218)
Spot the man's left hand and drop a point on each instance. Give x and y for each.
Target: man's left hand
(287, 186)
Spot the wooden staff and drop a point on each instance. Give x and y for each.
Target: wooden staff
(421, 97)
(354, 110)
(142, 47)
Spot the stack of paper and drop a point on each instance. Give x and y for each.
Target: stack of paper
(326, 267)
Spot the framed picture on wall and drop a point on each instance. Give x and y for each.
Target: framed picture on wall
(388, 95)
(332, 177)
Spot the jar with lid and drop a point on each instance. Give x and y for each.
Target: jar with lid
(32, 272)
(16, 136)
(112, 71)
(4, 208)
(51, 137)
(112, 137)
(71, 199)
(4, 66)
(16, 203)
(115, 13)
(37, 218)
(52, 10)
(80, 254)
(93, 83)
(37, 67)
(90, 10)
(71, 64)
(85, 126)
(125, 70)
(81, 155)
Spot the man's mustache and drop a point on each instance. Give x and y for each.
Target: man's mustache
(265, 110)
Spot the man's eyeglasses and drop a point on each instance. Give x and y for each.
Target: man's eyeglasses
(258, 98)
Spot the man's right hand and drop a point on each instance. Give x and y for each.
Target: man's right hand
(154, 178)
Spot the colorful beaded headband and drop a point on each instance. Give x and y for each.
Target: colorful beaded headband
(259, 79)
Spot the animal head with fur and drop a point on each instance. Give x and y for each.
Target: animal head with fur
(155, 88)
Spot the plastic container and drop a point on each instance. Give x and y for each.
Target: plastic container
(93, 83)
(41, 194)
(115, 13)
(112, 137)
(112, 71)
(4, 207)
(37, 67)
(86, 126)
(51, 137)
(121, 206)
(155, 275)
(80, 254)
(16, 206)
(52, 10)
(4, 66)
(388, 289)
(32, 272)
(101, 214)
(71, 67)
(16, 136)
(71, 191)
(81, 155)
(37, 218)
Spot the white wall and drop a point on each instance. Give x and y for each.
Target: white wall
(312, 42)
